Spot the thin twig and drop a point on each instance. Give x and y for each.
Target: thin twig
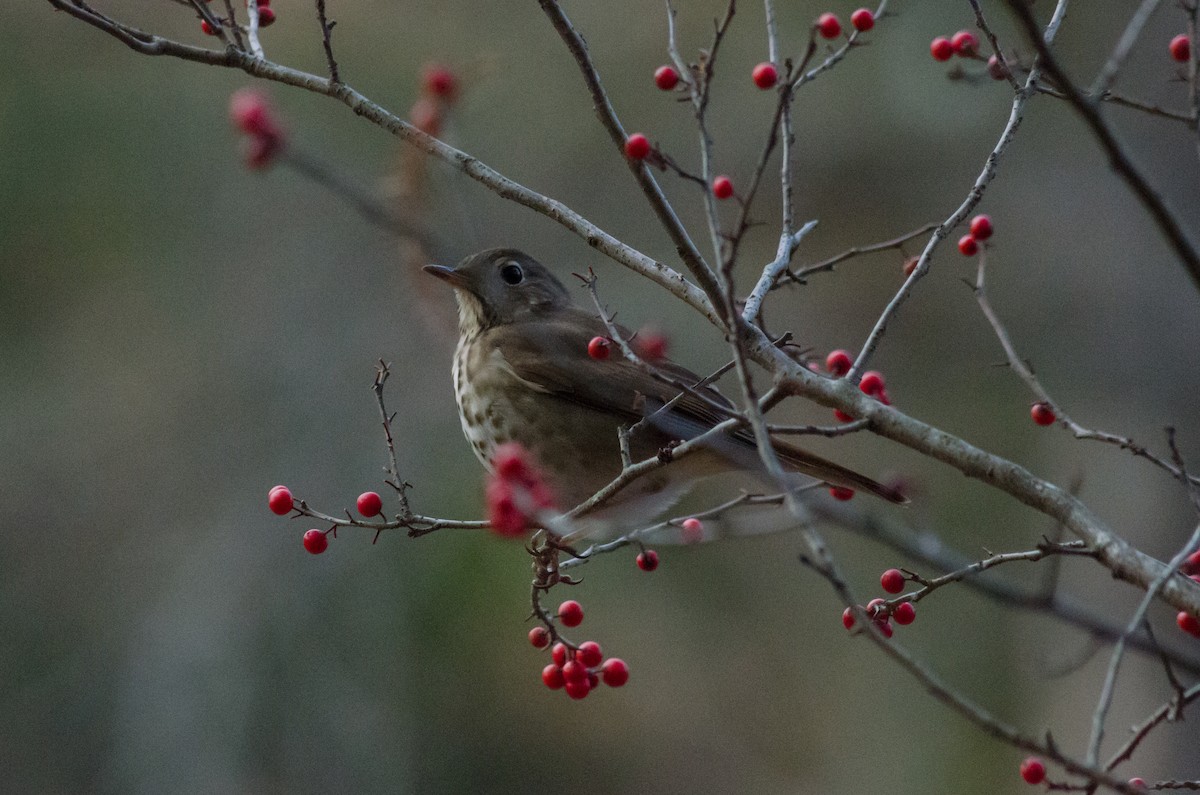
(828, 265)
(996, 49)
(1140, 732)
(1108, 73)
(326, 31)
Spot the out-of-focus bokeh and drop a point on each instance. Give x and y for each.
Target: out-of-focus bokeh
(178, 334)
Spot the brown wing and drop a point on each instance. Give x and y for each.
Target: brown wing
(551, 353)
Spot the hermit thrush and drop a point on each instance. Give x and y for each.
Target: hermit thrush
(522, 373)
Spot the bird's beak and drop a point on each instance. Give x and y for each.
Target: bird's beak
(449, 275)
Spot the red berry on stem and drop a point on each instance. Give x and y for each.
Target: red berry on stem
(578, 688)
(552, 677)
(862, 19)
(968, 246)
(841, 493)
(693, 530)
(1180, 47)
(439, 80)
(279, 500)
(722, 187)
(574, 671)
(1042, 414)
(266, 17)
(648, 560)
(842, 416)
(873, 606)
(838, 362)
(1033, 770)
(904, 614)
(765, 75)
(666, 78)
(1189, 567)
(249, 112)
(1137, 782)
(941, 49)
(589, 653)
(965, 43)
(910, 265)
(207, 29)
(848, 618)
(885, 627)
(559, 654)
(650, 344)
(1188, 623)
(599, 348)
(981, 227)
(892, 581)
(539, 637)
(369, 503)
(872, 383)
(614, 672)
(316, 542)
(637, 147)
(828, 25)
(570, 613)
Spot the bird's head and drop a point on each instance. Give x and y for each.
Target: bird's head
(500, 286)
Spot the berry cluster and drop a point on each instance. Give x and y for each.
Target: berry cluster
(281, 502)
(577, 669)
(516, 494)
(439, 91)
(250, 113)
(981, 229)
(964, 44)
(838, 363)
(880, 612)
(1186, 621)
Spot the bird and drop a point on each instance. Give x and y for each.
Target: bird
(522, 373)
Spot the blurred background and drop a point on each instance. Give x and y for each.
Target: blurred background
(178, 334)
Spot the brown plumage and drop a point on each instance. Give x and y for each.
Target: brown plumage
(522, 373)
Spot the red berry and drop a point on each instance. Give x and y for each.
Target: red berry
(539, 637)
(841, 493)
(838, 362)
(885, 627)
(315, 542)
(765, 75)
(965, 43)
(828, 25)
(981, 227)
(1188, 623)
(439, 81)
(574, 671)
(599, 348)
(904, 614)
(1033, 771)
(848, 618)
(648, 560)
(1042, 414)
(559, 654)
(1189, 567)
(873, 607)
(842, 416)
(996, 69)
(511, 462)
(279, 500)
(589, 653)
(666, 78)
(504, 517)
(266, 17)
(1137, 782)
(207, 29)
(1180, 47)
(614, 672)
(369, 503)
(872, 383)
(552, 677)
(426, 115)
(892, 581)
(637, 146)
(693, 530)
(862, 19)
(249, 112)
(722, 187)
(941, 49)
(570, 613)
(650, 345)
(578, 688)
(261, 3)
(968, 246)
(910, 265)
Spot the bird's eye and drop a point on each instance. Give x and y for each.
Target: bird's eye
(511, 273)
